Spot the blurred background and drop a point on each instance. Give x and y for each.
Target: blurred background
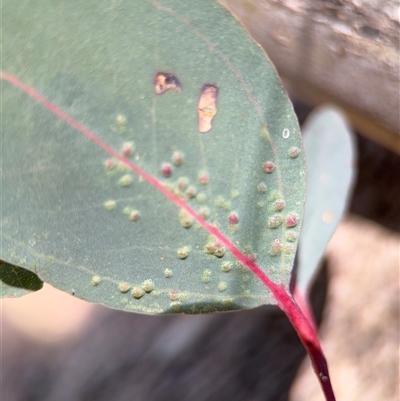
(56, 347)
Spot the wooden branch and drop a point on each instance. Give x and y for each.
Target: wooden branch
(341, 51)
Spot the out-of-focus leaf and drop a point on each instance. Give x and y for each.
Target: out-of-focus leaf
(16, 281)
(330, 153)
(86, 223)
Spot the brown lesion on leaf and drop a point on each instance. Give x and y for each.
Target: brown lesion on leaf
(164, 81)
(207, 107)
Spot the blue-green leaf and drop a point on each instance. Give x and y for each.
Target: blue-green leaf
(330, 151)
(106, 105)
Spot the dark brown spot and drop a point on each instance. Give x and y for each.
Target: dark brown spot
(207, 107)
(164, 81)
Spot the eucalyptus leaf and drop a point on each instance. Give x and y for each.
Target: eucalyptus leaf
(16, 281)
(185, 96)
(330, 150)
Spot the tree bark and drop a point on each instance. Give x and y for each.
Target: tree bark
(341, 51)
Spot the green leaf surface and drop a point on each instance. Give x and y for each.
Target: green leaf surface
(82, 219)
(16, 281)
(330, 150)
